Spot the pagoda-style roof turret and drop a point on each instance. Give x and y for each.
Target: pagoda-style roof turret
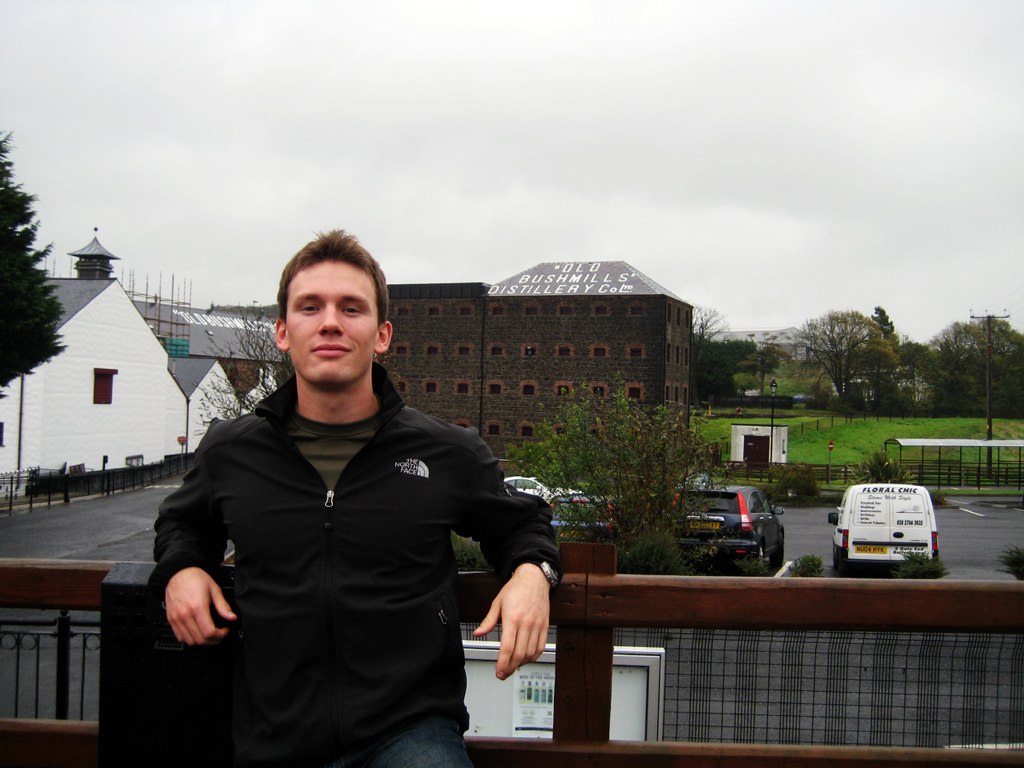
(94, 261)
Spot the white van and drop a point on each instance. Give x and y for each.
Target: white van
(879, 523)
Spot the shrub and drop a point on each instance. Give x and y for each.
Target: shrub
(652, 553)
(468, 556)
(877, 467)
(808, 566)
(795, 480)
(920, 566)
(1012, 560)
(753, 566)
(704, 560)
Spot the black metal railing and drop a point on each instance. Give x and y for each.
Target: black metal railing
(49, 666)
(39, 486)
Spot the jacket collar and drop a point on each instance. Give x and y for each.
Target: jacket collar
(280, 403)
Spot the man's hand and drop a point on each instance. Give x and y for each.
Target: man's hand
(187, 598)
(522, 606)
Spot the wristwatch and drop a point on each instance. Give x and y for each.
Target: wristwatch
(549, 573)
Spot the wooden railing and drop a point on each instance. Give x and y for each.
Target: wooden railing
(589, 604)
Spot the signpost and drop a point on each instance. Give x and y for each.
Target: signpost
(828, 473)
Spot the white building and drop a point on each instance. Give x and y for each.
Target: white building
(108, 399)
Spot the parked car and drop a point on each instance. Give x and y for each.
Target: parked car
(576, 516)
(530, 485)
(740, 521)
(879, 524)
(536, 487)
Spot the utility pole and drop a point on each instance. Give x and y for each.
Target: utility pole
(988, 318)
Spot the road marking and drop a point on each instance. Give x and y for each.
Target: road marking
(970, 511)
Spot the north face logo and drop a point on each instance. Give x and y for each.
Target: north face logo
(413, 467)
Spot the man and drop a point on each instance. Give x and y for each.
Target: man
(340, 501)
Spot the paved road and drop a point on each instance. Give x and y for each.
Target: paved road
(973, 532)
(118, 527)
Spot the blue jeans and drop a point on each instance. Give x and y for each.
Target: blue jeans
(435, 742)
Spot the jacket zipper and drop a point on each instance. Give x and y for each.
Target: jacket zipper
(329, 616)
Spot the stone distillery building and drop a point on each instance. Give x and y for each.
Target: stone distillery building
(499, 357)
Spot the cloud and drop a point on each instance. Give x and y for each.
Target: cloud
(771, 160)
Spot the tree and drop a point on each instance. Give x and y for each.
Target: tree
(614, 448)
(884, 323)
(845, 344)
(956, 373)
(254, 365)
(956, 370)
(29, 312)
(913, 392)
(722, 361)
(707, 325)
(764, 359)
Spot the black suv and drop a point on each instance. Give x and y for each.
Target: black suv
(740, 520)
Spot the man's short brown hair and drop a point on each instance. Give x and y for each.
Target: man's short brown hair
(336, 245)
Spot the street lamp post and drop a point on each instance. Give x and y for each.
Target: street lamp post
(771, 433)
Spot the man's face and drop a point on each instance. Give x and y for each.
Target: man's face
(331, 329)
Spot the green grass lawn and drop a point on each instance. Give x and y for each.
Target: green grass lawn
(810, 433)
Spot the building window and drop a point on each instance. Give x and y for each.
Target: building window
(402, 310)
(529, 389)
(599, 390)
(401, 386)
(493, 428)
(464, 350)
(636, 310)
(462, 388)
(103, 385)
(563, 388)
(635, 392)
(430, 387)
(462, 423)
(433, 311)
(565, 351)
(432, 349)
(401, 349)
(465, 310)
(529, 350)
(599, 351)
(531, 310)
(497, 310)
(635, 352)
(497, 350)
(601, 310)
(526, 430)
(565, 310)
(494, 388)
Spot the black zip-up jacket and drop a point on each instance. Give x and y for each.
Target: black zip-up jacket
(347, 618)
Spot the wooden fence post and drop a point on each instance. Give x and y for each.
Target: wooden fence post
(583, 668)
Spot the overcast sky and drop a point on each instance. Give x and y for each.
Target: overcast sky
(770, 160)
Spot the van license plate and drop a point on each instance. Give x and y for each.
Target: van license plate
(870, 549)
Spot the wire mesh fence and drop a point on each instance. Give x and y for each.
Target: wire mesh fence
(840, 688)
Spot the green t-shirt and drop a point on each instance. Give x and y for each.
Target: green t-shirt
(330, 447)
